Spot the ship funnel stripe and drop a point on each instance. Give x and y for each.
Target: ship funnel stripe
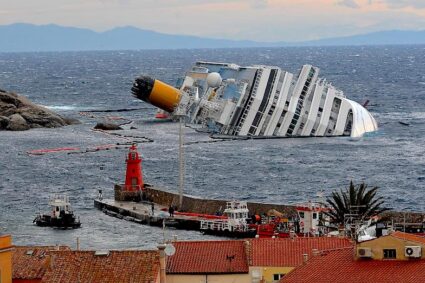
(156, 93)
(142, 87)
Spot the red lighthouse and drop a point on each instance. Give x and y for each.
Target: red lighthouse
(133, 176)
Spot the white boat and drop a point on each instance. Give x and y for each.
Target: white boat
(60, 215)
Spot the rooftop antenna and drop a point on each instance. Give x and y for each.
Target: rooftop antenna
(353, 220)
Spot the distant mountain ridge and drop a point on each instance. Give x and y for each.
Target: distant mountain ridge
(27, 37)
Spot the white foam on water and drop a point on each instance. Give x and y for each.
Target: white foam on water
(61, 107)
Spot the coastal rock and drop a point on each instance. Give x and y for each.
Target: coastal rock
(17, 113)
(4, 122)
(107, 127)
(17, 123)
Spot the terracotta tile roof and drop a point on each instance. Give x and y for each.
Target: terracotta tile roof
(408, 237)
(208, 257)
(31, 262)
(289, 252)
(117, 266)
(340, 266)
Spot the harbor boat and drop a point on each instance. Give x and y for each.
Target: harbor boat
(257, 101)
(233, 224)
(60, 216)
(311, 221)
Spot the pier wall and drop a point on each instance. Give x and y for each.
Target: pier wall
(211, 206)
(199, 205)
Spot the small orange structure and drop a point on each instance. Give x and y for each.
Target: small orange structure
(133, 176)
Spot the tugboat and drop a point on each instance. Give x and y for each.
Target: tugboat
(234, 224)
(61, 215)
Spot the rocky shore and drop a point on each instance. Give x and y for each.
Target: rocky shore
(17, 113)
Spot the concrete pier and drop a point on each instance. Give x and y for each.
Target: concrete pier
(141, 212)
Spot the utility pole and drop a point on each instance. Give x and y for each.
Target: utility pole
(181, 162)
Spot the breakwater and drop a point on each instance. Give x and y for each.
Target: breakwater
(200, 205)
(211, 206)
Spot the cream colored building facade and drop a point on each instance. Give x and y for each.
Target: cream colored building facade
(209, 278)
(398, 245)
(268, 274)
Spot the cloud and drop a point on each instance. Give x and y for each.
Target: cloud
(259, 4)
(261, 20)
(348, 3)
(398, 4)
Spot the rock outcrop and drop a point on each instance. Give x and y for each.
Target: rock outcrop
(107, 127)
(17, 113)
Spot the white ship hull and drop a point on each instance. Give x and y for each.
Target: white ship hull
(264, 101)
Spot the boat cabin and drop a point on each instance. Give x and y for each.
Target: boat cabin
(312, 219)
(60, 205)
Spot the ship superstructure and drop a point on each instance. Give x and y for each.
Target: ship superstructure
(266, 101)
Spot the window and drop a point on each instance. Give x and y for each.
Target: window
(278, 276)
(390, 253)
(301, 214)
(314, 215)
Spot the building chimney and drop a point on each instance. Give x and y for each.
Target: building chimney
(248, 251)
(315, 252)
(162, 263)
(305, 258)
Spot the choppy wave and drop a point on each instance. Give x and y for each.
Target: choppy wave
(62, 107)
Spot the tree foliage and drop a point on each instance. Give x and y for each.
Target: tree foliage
(356, 198)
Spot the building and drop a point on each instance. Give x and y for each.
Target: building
(250, 260)
(103, 266)
(30, 263)
(398, 257)
(208, 261)
(38, 264)
(5, 259)
(271, 259)
(396, 246)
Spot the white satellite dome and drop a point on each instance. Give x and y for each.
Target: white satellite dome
(214, 80)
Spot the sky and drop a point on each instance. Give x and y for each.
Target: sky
(259, 20)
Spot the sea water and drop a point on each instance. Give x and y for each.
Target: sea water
(286, 171)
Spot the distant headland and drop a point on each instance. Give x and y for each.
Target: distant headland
(28, 38)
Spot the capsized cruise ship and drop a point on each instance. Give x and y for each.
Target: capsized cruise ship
(258, 101)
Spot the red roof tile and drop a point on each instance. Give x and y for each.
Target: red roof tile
(118, 266)
(340, 266)
(289, 252)
(31, 262)
(208, 257)
(408, 237)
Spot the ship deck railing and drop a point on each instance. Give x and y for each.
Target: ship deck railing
(222, 225)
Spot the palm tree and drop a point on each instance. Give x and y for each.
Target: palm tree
(358, 199)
